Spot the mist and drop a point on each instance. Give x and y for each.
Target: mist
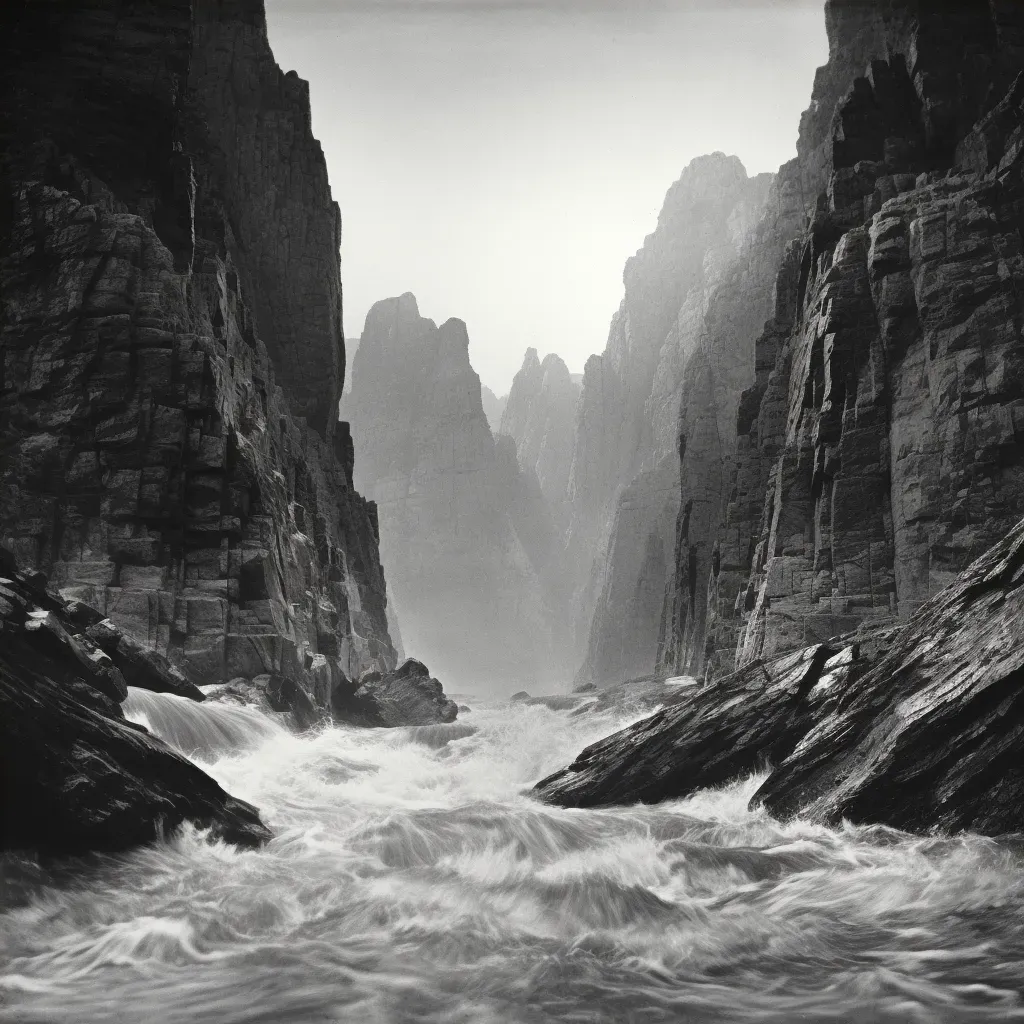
(502, 160)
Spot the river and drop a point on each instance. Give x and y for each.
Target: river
(412, 879)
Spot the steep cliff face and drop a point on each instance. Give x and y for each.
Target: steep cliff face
(465, 536)
(625, 476)
(879, 449)
(540, 417)
(172, 302)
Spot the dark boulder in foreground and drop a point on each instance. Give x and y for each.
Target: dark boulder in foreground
(757, 715)
(407, 696)
(918, 727)
(75, 776)
(932, 737)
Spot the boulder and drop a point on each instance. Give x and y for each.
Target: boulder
(916, 726)
(407, 696)
(931, 737)
(75, 777)
(721, 732)
(140, 665)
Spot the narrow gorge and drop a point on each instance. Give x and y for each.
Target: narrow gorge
(371, 678)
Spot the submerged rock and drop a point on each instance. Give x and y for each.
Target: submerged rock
(916, 726)
(407, 696)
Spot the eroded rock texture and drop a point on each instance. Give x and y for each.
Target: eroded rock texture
(878, 450)
(172, 348)
(408, 696)
(75, 776)
(465, 535)
(915, 725)
(671, 337)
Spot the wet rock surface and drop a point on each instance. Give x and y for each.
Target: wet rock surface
(915, 726)
(407, 696)
(932, 736)
(76, 776)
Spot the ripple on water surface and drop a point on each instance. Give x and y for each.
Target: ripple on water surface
(412, 879)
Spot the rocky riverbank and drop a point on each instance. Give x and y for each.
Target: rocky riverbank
(914, 726)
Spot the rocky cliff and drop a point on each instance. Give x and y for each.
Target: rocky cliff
(671, 336)
(172, 353)
(540, 415)
(465, 535)
(879, 450)
(915, 725)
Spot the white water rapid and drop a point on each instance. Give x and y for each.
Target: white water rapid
(412, 880)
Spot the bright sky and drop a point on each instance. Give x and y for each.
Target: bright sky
(503, 158)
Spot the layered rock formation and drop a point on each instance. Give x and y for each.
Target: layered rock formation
(407, 696)
(915, 726)
(539, 415)
(172, 347)
(879, 449)
(464, 534)
(692, 307)
(75, 775)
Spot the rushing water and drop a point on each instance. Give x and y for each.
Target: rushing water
(412, 880)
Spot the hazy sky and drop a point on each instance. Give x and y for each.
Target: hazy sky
(503, 158)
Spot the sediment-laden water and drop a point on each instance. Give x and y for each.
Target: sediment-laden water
(411, 879)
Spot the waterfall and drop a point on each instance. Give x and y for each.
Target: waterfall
(204, 730)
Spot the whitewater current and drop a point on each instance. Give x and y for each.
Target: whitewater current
(413, 879)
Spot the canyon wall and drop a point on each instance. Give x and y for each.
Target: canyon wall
(625, 475)
(172, 354)
(879, 449)
(467, 539)
(539, 415)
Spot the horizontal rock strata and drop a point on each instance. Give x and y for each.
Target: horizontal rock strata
(172, 350)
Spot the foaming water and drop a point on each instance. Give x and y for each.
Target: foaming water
(411, 879)
(199, 730)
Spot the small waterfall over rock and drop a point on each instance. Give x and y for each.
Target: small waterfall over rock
(202, 730)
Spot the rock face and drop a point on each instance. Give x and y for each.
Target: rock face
(878, 450)
(172, 347)
(672, 336)
(931, 736)
(464, 534)
(540, 416)
(915, 726)
(407, 696)
(494, 407)
(76, 776)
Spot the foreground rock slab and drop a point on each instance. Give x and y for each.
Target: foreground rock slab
(932, 737)
(75, 776)
(407, 696)
(755, 716)
(919, 727)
